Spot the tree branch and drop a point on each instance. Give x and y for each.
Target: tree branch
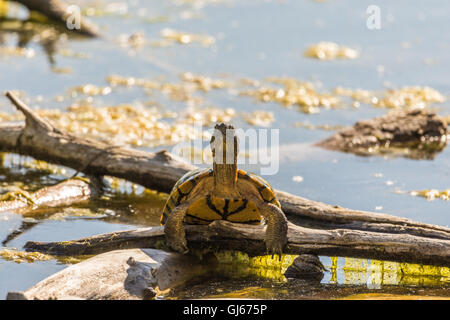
(223, 235)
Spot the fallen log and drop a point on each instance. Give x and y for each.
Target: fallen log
(65, 193)
(58, 11)
(160, 171)
(416, 134)
(41, 140)
(118, 275)
(223, 235)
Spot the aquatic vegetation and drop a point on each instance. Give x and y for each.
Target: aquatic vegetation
(18, 195)
(410, 97)
(105, 8)
(176, 91)
(74, 212)
(358, 95)
(40, 165)
(16, 51)
(294, 92)
(326, 127)
(62, 70)
(431, 194)
(259, 118)
(171, 36)
(208, 116)
(330, 51)
(204, 83)
(22, 256)
(90, 90)
(137, 125)
(116, 80)
(405, 97)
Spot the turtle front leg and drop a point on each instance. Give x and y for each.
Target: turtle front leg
(276, 232)
(174, 229)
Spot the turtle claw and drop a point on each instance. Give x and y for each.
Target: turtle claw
(178, 245)
(274, 247)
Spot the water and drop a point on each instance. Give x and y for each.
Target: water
(254, 39)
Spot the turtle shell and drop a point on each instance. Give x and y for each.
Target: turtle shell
(206, 209)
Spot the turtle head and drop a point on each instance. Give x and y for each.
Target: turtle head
(224, 144)
(225, 148)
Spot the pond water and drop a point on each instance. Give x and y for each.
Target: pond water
(252, 40)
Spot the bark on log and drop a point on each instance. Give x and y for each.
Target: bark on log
(416, 134)
(57, 10)
(223, 235)
(65, 193)
(118, 275)
(160, 171)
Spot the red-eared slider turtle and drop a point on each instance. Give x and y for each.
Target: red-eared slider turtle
(223, 193)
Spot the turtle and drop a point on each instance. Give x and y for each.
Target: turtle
(223, 192)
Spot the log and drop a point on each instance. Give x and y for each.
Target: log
(416, 134)
(160, 171)
(41, 140)
(118, 275)
(57, 10)
(69, 192)
(65, 193)
(224, 235)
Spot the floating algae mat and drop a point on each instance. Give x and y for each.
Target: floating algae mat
(293, 92)
(132, 124)
(173, 36)
(405, 97)
(22, 256)
(330, 51)
(432, 194)
(139, 125)
(31, 257)
(307, 97)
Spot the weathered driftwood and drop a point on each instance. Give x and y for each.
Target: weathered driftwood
(41, 140)
(417, 134)
(57, 10)
(223, 235)
(118, 275)
(159, 171)
(66, 193)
